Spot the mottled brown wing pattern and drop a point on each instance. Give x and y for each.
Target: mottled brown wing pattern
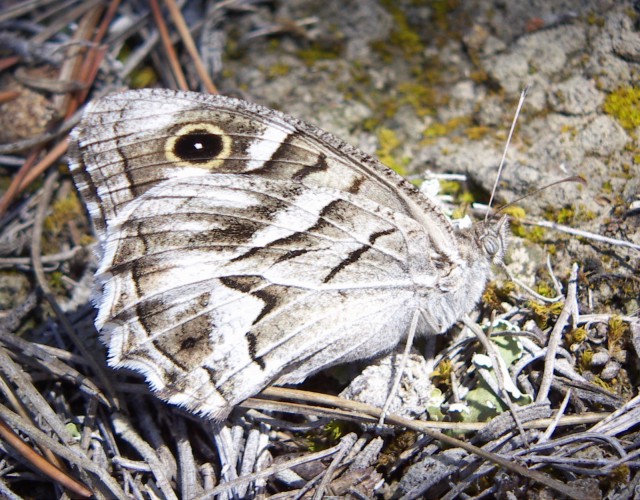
(137, 139)
(240, 247)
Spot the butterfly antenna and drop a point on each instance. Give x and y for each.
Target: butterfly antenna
(573, 178)
(506, 148)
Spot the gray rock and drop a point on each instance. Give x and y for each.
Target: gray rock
(575, 96)
(603, 136)
(610, 370)
(624, 37)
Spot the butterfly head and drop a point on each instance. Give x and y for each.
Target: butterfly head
(491, 238)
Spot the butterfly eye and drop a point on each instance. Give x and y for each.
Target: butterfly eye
(198, 145)
(491, 244)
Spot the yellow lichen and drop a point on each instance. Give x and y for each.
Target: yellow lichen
(624, 105)
(388, 143)
(515, 212)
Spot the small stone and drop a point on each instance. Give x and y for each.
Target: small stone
(26, 116)
(610, 370)
(373, 384)
(600, 358)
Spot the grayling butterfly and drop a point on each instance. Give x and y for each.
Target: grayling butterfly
(240, 247)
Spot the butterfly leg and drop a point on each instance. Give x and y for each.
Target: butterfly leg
(400, 372)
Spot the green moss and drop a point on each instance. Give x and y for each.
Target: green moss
(441, 10)
(584, 360)
(546, 290)
(617, 334)
(328, 436)
(583, 214)
(143, 78)
(624, 105)
(398, 444)
(479, 76)
(618, 477)
(311, 55)
(565, 215)
(595, 19)
(459, 212)
(544, 312)
(495, 295)
(279, 69)
(442, 373)
(422, 98)
(402, 36)
(234, 50)
(570, 214)
(605, 385)
(86, 240)
(64, 211)
(462, 196)
(371, 124)
(452, 188)
(435, 130)
(466, 197)
(569, 129)
(439, 129)
(477, 133)
(577, 336)
(389, 142)
(56, 282)
(334, 430)
(534, 234)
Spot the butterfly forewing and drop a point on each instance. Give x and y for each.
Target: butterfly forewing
(240, 247)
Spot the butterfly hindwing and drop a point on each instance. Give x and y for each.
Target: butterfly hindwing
(216, 286)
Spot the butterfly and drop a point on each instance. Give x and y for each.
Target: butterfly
(240, 247)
